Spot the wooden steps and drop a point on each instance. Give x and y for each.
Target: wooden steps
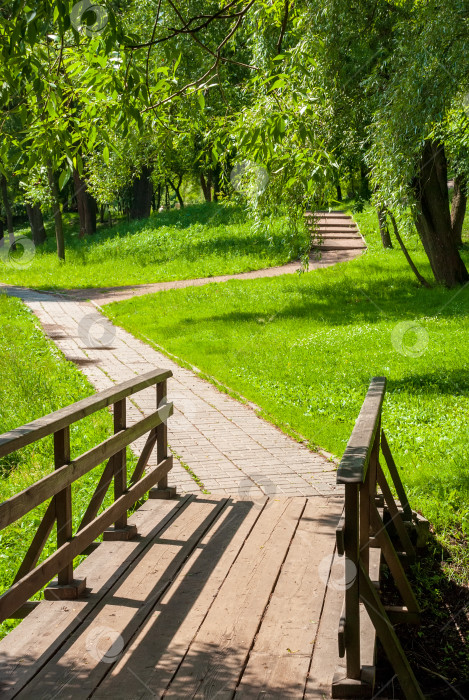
(334, 231)
(215, 598)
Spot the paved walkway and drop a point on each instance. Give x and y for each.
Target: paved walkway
(106, 295)
(216, 439)
(220, 445)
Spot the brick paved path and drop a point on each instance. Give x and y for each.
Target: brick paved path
(106, 295)
(220, 440)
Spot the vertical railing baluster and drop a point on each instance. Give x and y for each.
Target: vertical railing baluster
(63, 501)
(66, 588)
(162, 489)
(162, 432)
(121, 530)
(120, 461)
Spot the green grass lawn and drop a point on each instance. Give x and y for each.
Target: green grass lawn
(198, 241)
(36, 380)
(305, 347)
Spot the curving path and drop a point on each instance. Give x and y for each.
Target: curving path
(221, 445)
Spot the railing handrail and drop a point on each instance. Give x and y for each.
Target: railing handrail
(360, 528)
(112, 521)
(354, 464)
(53, 422)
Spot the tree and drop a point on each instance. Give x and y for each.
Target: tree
(86, 203)
(8, 210)
(142, 194)
(36, 222)
(408, 154)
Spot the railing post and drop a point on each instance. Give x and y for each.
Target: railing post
(63, 501)
(366, 490)
(121, 530)
(66, 588)
(352, 593)
(120, 460)
(162, 489)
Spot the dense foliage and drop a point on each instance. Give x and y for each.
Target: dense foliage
(119, 100)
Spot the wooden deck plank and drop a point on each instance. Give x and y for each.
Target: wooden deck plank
(219, 651)
(81, 663)
(30, 645)
(279, 662)
(153, 657)
(325, 653)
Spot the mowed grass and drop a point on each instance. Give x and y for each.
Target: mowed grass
(305, 347)
(198, 241)
(36, 380)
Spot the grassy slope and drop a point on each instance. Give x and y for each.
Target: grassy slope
(305, 347)
(199, 241)
(36, 380)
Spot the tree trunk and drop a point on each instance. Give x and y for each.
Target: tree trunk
(420, 277)
(216, 182)
(339, 192)
(433, 220)
(58, 222)
(176, 189)
(206, 184)
(158, 204)
(383, 228)
(458, 208)
(2, 230)
(8, 211)
(142, 192)
(87, 206)
(37, 223)
(101, 214)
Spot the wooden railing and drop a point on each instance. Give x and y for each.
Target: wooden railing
(360, 528)
(57, 486)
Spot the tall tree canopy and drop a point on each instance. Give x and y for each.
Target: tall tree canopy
(309, 91)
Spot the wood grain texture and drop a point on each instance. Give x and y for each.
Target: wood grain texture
(216, 658)
(354, 463)
(279, 661)
(28, 647)
(156, 652)
(81, 663)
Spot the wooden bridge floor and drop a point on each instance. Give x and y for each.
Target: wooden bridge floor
(215, 598)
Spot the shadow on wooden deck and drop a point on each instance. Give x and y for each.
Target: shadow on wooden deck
(215, 599)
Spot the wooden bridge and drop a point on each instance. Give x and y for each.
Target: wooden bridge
(202, 597)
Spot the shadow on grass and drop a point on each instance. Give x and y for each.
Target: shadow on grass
(437, 649)
(454, 382)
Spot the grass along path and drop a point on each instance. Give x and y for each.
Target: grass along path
(198, 241)
(36, 380)
(304, 348)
